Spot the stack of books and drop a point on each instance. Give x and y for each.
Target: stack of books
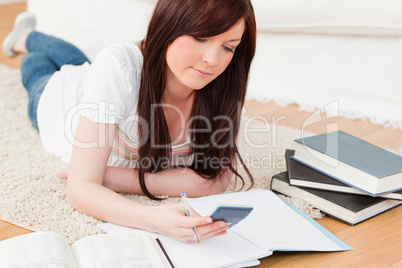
(343, 176)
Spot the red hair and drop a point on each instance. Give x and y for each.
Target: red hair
(198, 18)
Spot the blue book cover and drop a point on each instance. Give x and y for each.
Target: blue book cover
(356, 152)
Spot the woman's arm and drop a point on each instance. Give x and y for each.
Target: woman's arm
(170, 182)
(93, 144)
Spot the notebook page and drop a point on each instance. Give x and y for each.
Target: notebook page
(272, 224)
(220, 251)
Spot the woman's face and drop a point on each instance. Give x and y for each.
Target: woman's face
(194, 62)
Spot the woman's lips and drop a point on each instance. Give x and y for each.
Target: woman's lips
(201, 73)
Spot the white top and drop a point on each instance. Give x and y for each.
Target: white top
(105, 91)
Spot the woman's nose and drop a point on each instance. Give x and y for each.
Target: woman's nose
(211, 55)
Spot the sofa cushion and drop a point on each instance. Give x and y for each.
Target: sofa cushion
(93, 24)
(337, 17)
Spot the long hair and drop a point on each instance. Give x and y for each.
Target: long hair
(198, 18)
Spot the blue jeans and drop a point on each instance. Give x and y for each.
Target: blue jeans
(46, 55)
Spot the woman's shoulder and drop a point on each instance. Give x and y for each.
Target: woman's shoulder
(113, 75)
(127, 57)
(125, 52)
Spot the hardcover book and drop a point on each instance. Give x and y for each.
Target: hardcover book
(352, 161)
(302, 175)
(349, 208)
(48, 249)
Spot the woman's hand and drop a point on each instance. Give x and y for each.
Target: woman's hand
(172, 220)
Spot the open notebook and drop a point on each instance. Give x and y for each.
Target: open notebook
(272, 225)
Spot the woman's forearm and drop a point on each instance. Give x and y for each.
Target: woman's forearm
(102, 203)
(172, 182)
(169, 182)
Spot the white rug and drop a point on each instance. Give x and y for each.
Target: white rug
(33, 197)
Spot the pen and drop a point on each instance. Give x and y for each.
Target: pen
(188, 211)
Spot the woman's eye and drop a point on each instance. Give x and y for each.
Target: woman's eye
(199, 39)
(228, 49)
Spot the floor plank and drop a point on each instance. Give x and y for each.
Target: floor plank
(8, 13)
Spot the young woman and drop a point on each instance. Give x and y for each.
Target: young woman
(158, 118)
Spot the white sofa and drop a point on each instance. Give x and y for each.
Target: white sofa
(338, 55)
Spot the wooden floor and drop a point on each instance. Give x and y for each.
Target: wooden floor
(376, 242)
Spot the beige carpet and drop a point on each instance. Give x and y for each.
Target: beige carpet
(33, 197)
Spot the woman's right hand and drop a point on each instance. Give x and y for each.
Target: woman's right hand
(172, 220)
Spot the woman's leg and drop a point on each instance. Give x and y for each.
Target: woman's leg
(59, 51)
(46, 55)
(36, 70)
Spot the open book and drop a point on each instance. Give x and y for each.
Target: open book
(272, 225)
(48, 249)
